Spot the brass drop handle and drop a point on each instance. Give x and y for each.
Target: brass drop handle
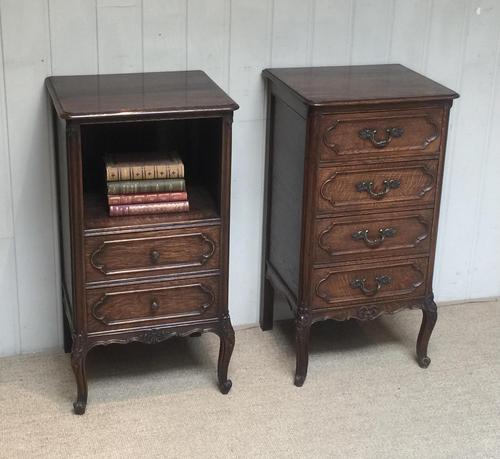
(367, 185)
(154, 305)
(359, 283)
(155, 256)
(390, 133)
(362, 235)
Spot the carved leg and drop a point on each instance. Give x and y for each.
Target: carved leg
(429, 318)
(302, 328)
(267, 313)
(78, 357)
(226, 349)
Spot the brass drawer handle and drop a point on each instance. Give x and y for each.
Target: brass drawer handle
(154, 305)
(389, 184)
(359, 283)
(362, 235)
(155, 256)
(390, 133)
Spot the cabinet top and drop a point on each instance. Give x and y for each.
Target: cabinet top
(136, 94)
(349, 85)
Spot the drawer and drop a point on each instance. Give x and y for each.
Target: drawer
(372, 235)
(150, 304)
(151, 253)
(387, 280)
(341, 189)
(354, 136)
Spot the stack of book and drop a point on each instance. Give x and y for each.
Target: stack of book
(151, 183)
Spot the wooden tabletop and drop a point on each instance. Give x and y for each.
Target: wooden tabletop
(320, 86)
(132, 94)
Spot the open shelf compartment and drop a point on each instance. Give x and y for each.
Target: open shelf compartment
(198, 142)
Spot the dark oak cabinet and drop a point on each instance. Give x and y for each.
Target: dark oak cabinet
(355, 159)
(151, 277)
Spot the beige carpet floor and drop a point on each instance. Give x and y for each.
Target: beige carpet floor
(364, 396)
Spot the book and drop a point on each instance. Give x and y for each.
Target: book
(151, 208)
(146, 186)
(121, 199)
(143, 166)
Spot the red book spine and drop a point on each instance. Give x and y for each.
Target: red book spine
(151, 208)
(121, 199)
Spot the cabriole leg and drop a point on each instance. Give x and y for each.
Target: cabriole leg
(226, 335)
(429, 319)
(302, 329)
(78, 358)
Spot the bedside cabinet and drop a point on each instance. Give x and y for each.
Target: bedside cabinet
(355, 159)
(150, 277)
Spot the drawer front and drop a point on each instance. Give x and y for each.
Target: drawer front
(354, 136)
(141, 305)
(152, 253)
(373, 235)
(343, 189)
(369, 282)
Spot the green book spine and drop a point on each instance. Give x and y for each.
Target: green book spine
(146, 186)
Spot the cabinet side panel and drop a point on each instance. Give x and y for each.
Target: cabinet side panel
(286, 193)
(64, 217)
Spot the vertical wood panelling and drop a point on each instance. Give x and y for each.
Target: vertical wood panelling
(410, 21)
(444, 63)
(372, 26)
(332, 32)
(208, 38)
(26, 63)
(251, 25)
(73, 21)
(484, 279)
(164, 28)
(249, 54)
(119, 36)
(6, 227)
(246, 221)
(292, 33)
(469, 149)
(9, 318)
(455, 42)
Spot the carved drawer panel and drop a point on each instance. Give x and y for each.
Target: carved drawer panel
(141, 305)
(379, 186)
(368, 282)
(372, 235)
(152, 253)
(353, 136)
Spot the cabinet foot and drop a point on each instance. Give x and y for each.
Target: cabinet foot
(429, 318)
(226, 335)
(78, 358)
(302, 329)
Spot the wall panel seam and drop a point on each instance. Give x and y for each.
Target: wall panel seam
(390, 35)
(353, 23)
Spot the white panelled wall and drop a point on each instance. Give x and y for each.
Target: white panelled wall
(456, 42)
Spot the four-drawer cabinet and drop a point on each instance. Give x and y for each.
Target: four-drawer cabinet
(142, 278)
(354, 168)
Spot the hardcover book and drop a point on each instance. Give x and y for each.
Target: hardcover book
(151, 208)
(143, 166)
(121, 199)
(146, 186)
